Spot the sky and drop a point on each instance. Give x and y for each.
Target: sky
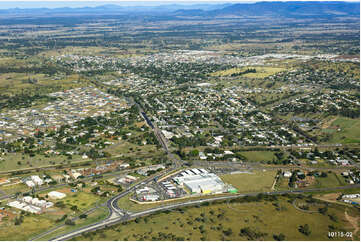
(4, 4)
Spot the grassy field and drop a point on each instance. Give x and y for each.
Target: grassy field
(350, 130)
(226, 72)
(282, 184)
(32, 225)
(258, 155)
(258, 181)
(332, 180)
(261, 72)
(98, 215)
(13, 188)
(16, 83)
(11, 160)
(224, 222)
(130, 149)
(82, 200)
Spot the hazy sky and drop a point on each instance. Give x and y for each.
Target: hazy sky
(92, 3)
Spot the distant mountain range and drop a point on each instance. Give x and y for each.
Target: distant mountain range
(282, 9)
(285, 9)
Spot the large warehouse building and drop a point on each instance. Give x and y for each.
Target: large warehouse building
(200, 181)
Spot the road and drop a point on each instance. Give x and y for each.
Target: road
(158, 134)
(111, 220)
(117, 214)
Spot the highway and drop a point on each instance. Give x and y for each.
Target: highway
(111, 220)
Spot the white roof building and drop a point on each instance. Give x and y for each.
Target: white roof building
(27, 199)
(287, 174)
(76, 174)
(150, 197)
(202, 156)
(56, 195)
(124, 165)
(133, 178)
(30, 183)
(37, 180)
(201, 183)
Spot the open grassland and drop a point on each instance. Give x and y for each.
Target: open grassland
(257, 181)
(227, 72)
(16, 161)
(258, 155)
(130, 149)
(83, 200)
(349, 133)
(261, 72)
(31, 225)
(225, 221)
(18, 83)
(12, 188)
(332, 180)
(282, 184)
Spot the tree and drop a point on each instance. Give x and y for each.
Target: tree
(279, 237)
(194, 153)
(74, 208)
(323, 210)
(60, 204)
(228, 232)
(304, 229)
(69, 222)
(19, 220)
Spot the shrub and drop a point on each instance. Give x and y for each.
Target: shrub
(69, 222)
(304, 229)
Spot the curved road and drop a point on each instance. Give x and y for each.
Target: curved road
(114, 219)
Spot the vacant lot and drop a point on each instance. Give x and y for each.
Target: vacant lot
(31, 225)
(257, 181)
(261, 72)
(332, 180)
(349, 130)
(258, 155)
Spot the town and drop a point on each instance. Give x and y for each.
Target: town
(194, 124)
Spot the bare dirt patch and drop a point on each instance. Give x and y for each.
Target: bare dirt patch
(354, 221)
(327, 124)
